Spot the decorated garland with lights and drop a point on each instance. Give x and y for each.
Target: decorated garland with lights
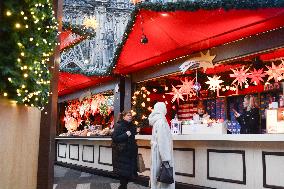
(141, 106)
(28, 37)
(81, 30)
(190, 6)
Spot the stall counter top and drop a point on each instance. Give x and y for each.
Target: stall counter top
(224, 137)
(199, 137)
(83, 138)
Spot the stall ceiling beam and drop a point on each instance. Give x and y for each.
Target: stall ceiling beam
(253, 45)
(109, 86)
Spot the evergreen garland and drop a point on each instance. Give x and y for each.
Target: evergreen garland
(80, 30)
(28, 31)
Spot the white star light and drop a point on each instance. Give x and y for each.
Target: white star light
(214, 82)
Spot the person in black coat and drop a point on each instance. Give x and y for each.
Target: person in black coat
(249, 119)
(124, 149)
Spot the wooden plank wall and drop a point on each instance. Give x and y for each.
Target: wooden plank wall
(19, 143)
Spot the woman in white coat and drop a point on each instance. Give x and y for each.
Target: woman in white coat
(161, 145)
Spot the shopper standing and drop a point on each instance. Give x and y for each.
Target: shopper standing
(161, 145)
(124, 149)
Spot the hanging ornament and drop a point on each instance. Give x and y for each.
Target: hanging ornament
(206, 61)
(256, 76)
(274, 72)
(214, 83)
(240, 76)
(187, 88)
(176, 94)
(196, 85)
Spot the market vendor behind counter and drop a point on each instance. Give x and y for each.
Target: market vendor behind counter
(249, 119)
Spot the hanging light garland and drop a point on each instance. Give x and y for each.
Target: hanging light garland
(30, 29)
(141, 105)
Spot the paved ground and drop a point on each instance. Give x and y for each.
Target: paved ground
(65, 178)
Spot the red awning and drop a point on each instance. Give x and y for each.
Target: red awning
(174, 34)
(70, 83)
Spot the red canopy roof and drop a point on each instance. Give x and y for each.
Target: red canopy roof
(174, 34)
(69, 83)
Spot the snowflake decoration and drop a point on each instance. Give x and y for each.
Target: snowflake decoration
(176, 94)
(187, 87)
(214, 82)
(240, 76)
(256, 76)
(274, 72)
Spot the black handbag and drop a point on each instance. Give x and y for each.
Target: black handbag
(166, 173)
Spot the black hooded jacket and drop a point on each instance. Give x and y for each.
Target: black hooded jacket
(124, 149)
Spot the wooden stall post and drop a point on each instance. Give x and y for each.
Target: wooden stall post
(47, 146)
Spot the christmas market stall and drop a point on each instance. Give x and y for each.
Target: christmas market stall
(219, 68)
(86, 120)
(89, 94)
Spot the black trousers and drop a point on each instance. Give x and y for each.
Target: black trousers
(123, 182)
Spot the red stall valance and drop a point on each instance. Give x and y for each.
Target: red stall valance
(70, 83)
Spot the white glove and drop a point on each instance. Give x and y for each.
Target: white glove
(128, 133)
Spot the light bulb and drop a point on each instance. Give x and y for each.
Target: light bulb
(8, 13)
(17, 25)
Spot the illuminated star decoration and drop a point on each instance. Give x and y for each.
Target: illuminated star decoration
(90, 22)
(176, 94)
(187, 87)
(206, 61)
(256, 76)
(240, 76)
(281, 66)
(135, 1)
(214, 83)
(274, 72)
